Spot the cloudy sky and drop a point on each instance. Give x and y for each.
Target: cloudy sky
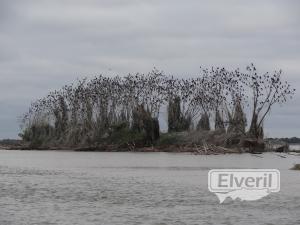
(46, 44)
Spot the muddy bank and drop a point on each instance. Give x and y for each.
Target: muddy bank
(196, 149)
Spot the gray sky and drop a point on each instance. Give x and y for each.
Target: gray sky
(46, 44)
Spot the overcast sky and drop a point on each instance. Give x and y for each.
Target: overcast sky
(46, 44)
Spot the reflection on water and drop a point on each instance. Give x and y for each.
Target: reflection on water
(135, 188)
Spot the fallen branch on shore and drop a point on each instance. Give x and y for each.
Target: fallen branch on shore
(210, 149)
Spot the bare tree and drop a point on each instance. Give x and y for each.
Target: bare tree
(267, 90)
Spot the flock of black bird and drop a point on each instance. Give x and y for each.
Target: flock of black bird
(89, 109)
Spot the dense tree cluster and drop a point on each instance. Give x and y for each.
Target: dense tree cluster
(127, 108)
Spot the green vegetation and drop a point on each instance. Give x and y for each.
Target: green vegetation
(170, 139)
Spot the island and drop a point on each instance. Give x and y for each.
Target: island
(205, 114)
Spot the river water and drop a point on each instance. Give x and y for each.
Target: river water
(50, 187)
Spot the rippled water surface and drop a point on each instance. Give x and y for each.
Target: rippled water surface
(136, 188)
